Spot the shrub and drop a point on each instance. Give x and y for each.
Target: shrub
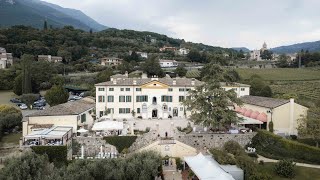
(259, 176)
(56, 154)
(285, 168)
(222, 157)
(234, 148)
(179, 164)
(121, 142)
(276, 147)
(254, 155)
(246, 164)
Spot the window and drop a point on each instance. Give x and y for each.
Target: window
(188, 89)
(111, 89)
(166, 98)
(110, 110)
(169, 108)
(144, 107)
(121, 89)
(181, 98)
(100, 113)
(138, 110)
(128, 98)
(127, 89)
(142, 99)
(242, 89)
(83, 118)
(170, 89)
(181, 89)
(124, 110)
(100, 89)
(122, 98)
(181, 108)
(138, 89)
(101, 99)
(110, 98)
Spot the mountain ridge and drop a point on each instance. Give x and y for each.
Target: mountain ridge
(34, 12)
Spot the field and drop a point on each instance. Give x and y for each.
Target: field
(302, 173)
(283, 74)
(193, 74)
(305, 89)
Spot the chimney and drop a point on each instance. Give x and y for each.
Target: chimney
(154, 78)
(291, 116)
(134, 82)
(115, 81)
(174, 82)
(126, 74)
(192, 82)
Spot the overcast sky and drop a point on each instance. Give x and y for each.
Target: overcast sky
(226, 23)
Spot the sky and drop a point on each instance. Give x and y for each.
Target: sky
(225, 23)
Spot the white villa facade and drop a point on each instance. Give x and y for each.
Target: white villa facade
(149, 98)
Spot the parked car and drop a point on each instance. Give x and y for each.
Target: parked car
(15, 100)
(38, 107)
(23, 107)
(39, 103)
(77, 97)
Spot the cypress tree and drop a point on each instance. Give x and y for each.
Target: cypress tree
(26, 74)
(45, 25)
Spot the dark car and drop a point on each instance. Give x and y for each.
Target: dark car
(15, 100)
(38, 107)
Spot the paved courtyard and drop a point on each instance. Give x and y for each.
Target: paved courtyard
(165, 125)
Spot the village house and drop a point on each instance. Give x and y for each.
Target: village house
(49, 58)
(77, 114)
(167, 48)
(6, 59)
(166, 63)
(110, 61)
(284, 114)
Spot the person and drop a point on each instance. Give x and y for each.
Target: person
(166, 134)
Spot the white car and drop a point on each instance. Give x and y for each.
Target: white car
(23, 107)
(77, 97)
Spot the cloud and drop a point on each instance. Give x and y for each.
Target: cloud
(225, 23)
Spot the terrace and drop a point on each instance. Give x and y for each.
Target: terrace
(55, 136)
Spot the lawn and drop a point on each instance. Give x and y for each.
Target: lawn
(302, 173)
(281, 74)
(10, 139)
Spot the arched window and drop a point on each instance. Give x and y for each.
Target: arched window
(144, 107)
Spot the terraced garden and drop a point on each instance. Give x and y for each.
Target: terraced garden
(193, 74)
(305, 89)
(282, 74)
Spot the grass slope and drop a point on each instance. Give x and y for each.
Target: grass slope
(302, 173)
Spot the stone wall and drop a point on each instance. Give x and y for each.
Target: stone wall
(205, 141)
(144, 140)
(92, 146)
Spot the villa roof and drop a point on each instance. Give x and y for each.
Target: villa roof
(264, 101)
(69, 108)
(129, 82)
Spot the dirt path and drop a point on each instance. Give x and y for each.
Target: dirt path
(298, 164)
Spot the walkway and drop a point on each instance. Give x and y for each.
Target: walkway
(298, 164)
(170, 172)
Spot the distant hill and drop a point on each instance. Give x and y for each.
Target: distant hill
(34, 12)
(310, 46)
(244, 49)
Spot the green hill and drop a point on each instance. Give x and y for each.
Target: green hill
(33, 13)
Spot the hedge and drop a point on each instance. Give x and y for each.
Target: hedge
(276, 147)
(56, 154)
(121, 142)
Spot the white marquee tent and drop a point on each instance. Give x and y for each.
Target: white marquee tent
(206, 168)
(107, 126)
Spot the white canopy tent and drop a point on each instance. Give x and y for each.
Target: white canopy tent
(206, 168)
(107, 126)
(82, 130)
(247, 120)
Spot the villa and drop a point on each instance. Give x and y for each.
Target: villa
(149, 98)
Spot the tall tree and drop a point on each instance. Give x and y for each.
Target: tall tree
(56, 95)
(181, 71)
(209, 102)
(26, 62)
(266, 55)
(45, 25)
(283, 61)
(309, 127)
(152, 67)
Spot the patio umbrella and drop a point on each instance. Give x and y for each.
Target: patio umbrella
(82, 130)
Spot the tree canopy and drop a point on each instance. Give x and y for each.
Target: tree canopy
(209, 102)
(56, 95)
(152, 67)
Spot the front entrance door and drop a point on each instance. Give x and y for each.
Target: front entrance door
(154, 100)
(154, 113)
(175, 112)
